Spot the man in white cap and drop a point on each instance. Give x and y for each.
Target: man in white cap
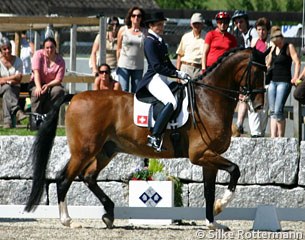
(190, 49)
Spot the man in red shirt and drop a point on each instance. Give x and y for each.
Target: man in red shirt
(217, 41)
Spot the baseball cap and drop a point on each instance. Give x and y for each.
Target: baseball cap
(196, 18)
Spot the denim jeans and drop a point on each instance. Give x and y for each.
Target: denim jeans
(278, 93)
(125, 74)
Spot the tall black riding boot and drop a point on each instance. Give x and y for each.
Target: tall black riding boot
(164, 116)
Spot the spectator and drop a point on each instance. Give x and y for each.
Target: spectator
(217, 41)
(111, 47)
(240, 19)
(281, 57)
(244, 34)
(10, 78)
(130, 49)
(299, 92)
(191, 47)
(26, 54)
(48, 72)
(155, 80)
(258, 121)
(261, 42)
(104, 80)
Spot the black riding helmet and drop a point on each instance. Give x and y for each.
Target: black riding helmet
(240, 14)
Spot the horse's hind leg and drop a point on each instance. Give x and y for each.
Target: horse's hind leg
(89, 176)
(63, 182)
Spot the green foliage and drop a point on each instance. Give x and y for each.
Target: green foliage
(155, 166)
(142, 174)
(177, 190)
(249, 5)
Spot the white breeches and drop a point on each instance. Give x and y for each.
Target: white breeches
(158, 87)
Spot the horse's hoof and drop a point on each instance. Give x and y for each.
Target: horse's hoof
(66, 222)
(217, 207)
(108, 220)
(75, 225)
(214, 226)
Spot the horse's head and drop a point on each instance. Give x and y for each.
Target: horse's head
(252, 78)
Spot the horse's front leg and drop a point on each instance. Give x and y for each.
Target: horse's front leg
(211, 162)
(234, 172)
(209, 175)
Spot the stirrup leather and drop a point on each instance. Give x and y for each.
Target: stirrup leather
(155, 142)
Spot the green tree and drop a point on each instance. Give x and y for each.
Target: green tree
(249, 5)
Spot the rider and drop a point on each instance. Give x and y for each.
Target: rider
(155, 80)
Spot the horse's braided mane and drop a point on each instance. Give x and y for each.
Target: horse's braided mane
(222, 58)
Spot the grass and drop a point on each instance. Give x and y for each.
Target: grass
(24, 131)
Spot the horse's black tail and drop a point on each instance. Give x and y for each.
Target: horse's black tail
(41, 150)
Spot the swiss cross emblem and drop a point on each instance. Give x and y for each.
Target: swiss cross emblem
(142, 119)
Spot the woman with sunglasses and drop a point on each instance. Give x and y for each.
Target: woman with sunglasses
(283, 54)
(217, 41)
(130, 49)
(111, 47)
(104, 79)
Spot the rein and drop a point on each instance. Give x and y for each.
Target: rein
(245, 90)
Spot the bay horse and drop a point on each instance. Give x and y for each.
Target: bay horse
(99, 124)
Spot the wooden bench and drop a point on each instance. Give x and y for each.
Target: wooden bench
(69, 78)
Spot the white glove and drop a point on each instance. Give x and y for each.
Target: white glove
(182, 75)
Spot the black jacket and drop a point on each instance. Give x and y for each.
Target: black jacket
(158, 61)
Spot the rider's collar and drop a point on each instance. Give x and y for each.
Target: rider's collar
(155, 34)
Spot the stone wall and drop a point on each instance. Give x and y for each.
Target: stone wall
(272, 172)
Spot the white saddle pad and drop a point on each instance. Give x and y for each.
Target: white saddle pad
(141, 114)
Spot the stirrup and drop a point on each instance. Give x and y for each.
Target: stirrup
(155, 143)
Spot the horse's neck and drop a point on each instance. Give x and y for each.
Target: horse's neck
(223, 90)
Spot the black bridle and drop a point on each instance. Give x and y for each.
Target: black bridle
(246, 90)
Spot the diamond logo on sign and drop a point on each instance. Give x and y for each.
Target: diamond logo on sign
(150, 197)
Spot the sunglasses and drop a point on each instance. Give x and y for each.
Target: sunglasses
(223, 21)
(114, 24)
(277, 36)
(102, 72)
(136, 15)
